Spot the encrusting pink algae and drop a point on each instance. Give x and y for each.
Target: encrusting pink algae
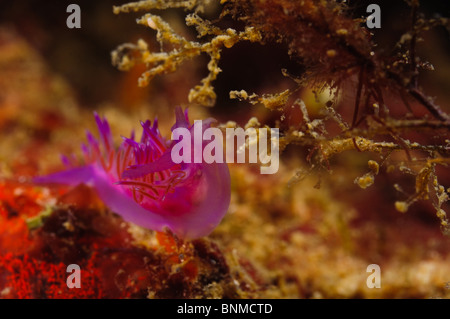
(140, 182)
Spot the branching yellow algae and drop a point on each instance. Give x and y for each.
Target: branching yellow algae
(333, 50)
(165, 62)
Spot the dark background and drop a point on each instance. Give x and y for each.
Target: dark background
(82, 56)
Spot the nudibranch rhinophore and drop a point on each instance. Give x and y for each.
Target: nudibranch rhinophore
(140, 182)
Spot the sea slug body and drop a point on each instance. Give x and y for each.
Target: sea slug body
(140, 182)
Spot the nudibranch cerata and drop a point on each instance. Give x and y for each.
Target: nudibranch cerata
(140, 182)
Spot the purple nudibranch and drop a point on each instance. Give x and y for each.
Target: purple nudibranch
(140, 182)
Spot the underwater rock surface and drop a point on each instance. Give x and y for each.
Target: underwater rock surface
(307, 236)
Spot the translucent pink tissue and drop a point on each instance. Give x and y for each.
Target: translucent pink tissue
(140, 182)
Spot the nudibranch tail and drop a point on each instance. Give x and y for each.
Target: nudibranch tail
(140, 182)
